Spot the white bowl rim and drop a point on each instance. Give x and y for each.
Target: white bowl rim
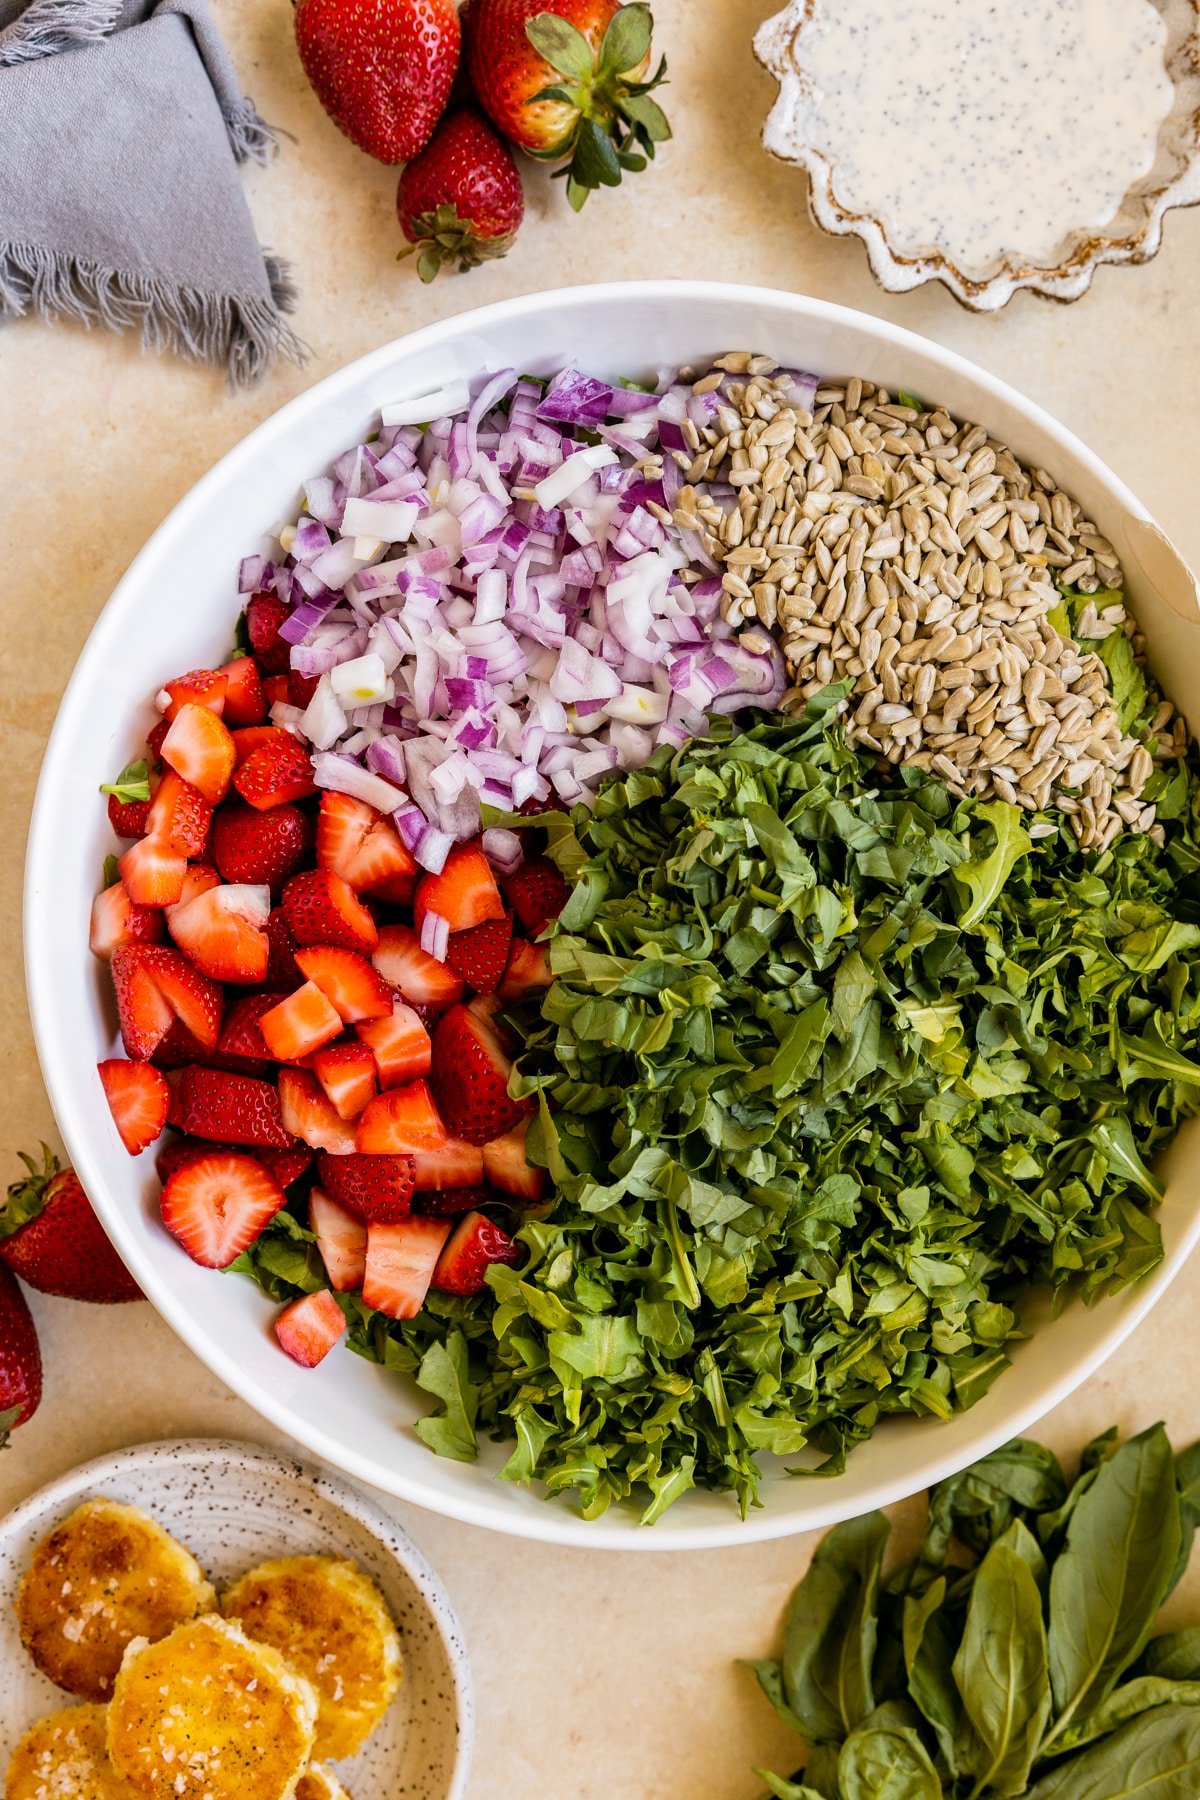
(547, 1523)
(249, 1457)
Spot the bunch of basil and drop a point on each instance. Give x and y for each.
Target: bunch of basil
(1013, 1655)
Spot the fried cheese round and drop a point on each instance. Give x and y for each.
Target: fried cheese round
(65, 1757)
(319, 1783)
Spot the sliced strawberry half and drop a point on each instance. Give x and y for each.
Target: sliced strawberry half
(464, 893)
(152, 872)
(201, 878)
(310, 1327)
(470, 1077)
(310, 1116)
(480, 955)
(201, 687)
(400, 1045)
(321, 908)
(454, 1164)
(282, 973)
(295, 1027)
(378, 1189)
(276, 774)
(223, 932)
(401, 1259)
(365, 849)
(180, 816)
(285, 1165)
(199, 748)
(352, 985)
(537, 893)
(138, 1098)
(217, 1205)
(508, 1168)
(400, 1122)
(265, 613)
(446, 1202)
(155, 985)
(528, 971)
(418, 978)
(245, 702)
(241, 1035)
(235, 1109)
(249, 738)
(259, 847)
(347, 1074)
(475, 1245)
(116, 920)
(341, 1239)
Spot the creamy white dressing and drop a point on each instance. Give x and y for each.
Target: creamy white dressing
(985, 128)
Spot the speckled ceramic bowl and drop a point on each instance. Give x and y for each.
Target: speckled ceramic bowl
(1133, 235)
(235, 1505)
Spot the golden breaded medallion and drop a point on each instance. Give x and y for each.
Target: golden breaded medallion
(64, 1757)
(107, 1574)
(318, 1783)
(331, 1623)
(204, 1714)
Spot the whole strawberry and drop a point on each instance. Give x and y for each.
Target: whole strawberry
(567, 80)
(382, 69)
(54, 1241)
(20, 1358)
(460, 201)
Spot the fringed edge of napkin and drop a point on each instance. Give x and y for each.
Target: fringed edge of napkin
(48, 26)
(247, 335)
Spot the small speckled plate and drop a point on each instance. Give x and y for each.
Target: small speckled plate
(235, 1505)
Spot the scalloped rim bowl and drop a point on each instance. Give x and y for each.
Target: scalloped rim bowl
(174, 610)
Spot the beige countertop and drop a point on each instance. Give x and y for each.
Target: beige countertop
(598, 1676)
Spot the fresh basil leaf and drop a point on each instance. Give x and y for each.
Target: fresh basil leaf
(831, 1628)
(1175, 1655)
(112, 871)
(1154, 1757)
(1126, 1702)
(1111, 1578)
(978, 1505)
(787, 1790)
(1001, 1672)
(930, 1641)
(884, 1759)
(770, 1680)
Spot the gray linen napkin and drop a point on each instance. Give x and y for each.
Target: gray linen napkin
(121, 127)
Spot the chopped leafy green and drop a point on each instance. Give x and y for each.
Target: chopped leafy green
(133, 783)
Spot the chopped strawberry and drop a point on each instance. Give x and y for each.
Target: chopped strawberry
(347, 1074)
(508, 1168)
(222, 932)
(245, 702)
(233, 1109)
(401, 1121)
(116, 920)
(138, 1098)
(464, 894)
(154, 740)
(180, 816)
(301, 688)
(470, 1078)
(276, 774)
(480, 955)
(476, 1244)
(454, 1164)
(285, 1165)
(528, 970)
(217, 1205)
(537, 893)
(418, 978)
(341, 1239)
(400, 1045)
(128, 817)
(154, 985)
(174, 1109)
(265, 613)
(300, 1024)
(321, 908)
(199, 747)
(201, 878)
(348, 981)
(310, 1327)
(400, 1262)
(249, 738)
(179, 1050)
(282, 973)
(152, 872)
(248, 845)
(240, 1033)
(378, 1189)
(445, 1202)
(277, 689)
(203, 687)
(365, 849)
(309, 1116)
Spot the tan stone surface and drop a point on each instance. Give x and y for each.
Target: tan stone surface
(598, 1676)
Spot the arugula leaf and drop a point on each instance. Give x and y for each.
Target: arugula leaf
(984, 879)
(444, 1372)
(133, 783)
(831, 1628)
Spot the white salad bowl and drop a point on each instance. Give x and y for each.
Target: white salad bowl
(174, 610)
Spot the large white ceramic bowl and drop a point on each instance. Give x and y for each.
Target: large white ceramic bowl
(174, 610)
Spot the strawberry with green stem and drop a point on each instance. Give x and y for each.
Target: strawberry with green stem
(569, 81)
(460, 201)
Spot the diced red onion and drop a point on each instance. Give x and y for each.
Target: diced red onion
(503, 850)
(435, 935)
(347, 777)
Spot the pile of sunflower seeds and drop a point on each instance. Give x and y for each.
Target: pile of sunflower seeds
(888, 543)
